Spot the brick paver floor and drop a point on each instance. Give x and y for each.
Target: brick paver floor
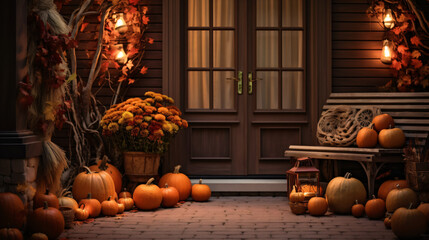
(240, 217)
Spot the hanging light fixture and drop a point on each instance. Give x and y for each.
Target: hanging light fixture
(388, 20)
(121, 56)
(386, 52)
(120, 25)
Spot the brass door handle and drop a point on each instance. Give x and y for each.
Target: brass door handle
(239, 80)
(250, 82)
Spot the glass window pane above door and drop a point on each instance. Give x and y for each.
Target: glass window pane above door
(292, 52)
(292, 90)
(223, 49)
(223, 90)
(267, 49)
(198, 48)
(292, 13)
(267, 13)
(198, 90)
(198, 13)
(223, 13)
(267, 90)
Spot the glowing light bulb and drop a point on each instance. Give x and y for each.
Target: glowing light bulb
(388, 19)
(121, 56)
(120, 24)
(386, 51)
(386, 55)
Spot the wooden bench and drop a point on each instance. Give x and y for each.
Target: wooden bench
(410, 112)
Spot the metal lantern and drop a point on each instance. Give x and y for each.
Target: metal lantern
(305, 177)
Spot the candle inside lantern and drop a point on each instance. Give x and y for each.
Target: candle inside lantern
(388, 19)
(120, 25)
(121, 56)
(386, 55)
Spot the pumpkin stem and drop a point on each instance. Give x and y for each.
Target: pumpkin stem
(150, 181)
(371, 126)
(176, 169)
(201, 181)
(87, 169)
(89, 196)
(356, 201)
(166, 185)
(397, 186)
(108, 199)
(411, 205)
(45, 205)
(103, 163)
(81, 205)
(373, 196)
(348, 175)
(47, 191)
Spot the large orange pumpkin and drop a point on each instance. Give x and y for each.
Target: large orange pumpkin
(317, 206)
(400, 197)
(375, 208)
(102, 165)
(388, 186)
(170, 196)
(342, 192)
(10, 234)
(366, 138)
(178, 180)
(408, 223)
(424, 208)
(147, 196)
(391, 138)
(47, 220)
(93, 206)
(99, 184)
(11, 211)
(201, 192)
(47, 196)
(383, 121)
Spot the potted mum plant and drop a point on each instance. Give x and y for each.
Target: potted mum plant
(142, 129)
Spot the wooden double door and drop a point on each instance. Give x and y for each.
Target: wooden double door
(244, 85)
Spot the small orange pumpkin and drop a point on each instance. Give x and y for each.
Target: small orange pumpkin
(375, 208)
(93, 206)
(116, 175)
(295, 196)
(47, 196)
(178, 180)
(388, 222)
(125, 194)
(81, 213)
(10, 234)
(128, 203)
(121, 208)
(383, 121)
(317, 206)
(358, 210)
(366, 137)
(170, 196)
(47, 220)
(147, 196)
(201, 192)
(109, 207)
(391, 138)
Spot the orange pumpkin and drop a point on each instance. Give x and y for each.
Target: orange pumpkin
(128, 203)
(424, 208)
(10, 234)
(388, 222)
(383, 121)
(92, 205)
(147, 196)
(121, 208)
(81, 213)
(317, 206)
(124, 194)
(400, 197)
(366, 138)
(47, 220)
(391, 138)
(109, 207)
(408, 223)
(388, 186)
(296, 196)
(116, 175)
(170, 196)
(40, 198)
(375, 208)
(39, 236)
(178, 180)
(201, 192)
(358, 210)
(99, 184)
(12, 211)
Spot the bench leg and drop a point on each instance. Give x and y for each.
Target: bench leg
(371, 170)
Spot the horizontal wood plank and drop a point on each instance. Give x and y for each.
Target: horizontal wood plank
(330, 155)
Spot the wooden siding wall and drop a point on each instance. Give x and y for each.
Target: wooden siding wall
(356, 48)
(152, 81)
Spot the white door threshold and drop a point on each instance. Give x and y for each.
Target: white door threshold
(245, 185)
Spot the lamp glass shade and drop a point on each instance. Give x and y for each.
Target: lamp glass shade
(388, 20)
(386, 52)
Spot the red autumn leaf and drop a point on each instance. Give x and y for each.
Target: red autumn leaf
(145, 20)
(116, 65)
(83, 26)
(404, 26)
(150, 40)
(416, 63)
(104, 66)
(145, 10)
(133, 2)
(416, 54)
(396, 65)
(122, 78)
(397, 30)
(131, 81)
(131, 52)
(415, 40)
(402, 49)
(143, 70)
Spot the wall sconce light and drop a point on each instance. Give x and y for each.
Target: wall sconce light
(121, 56)
(386, 52)
(120, 25)
(388, 20)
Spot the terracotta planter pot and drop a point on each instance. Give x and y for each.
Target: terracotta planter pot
(140, 166)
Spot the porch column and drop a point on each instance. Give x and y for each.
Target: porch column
(20, 149)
